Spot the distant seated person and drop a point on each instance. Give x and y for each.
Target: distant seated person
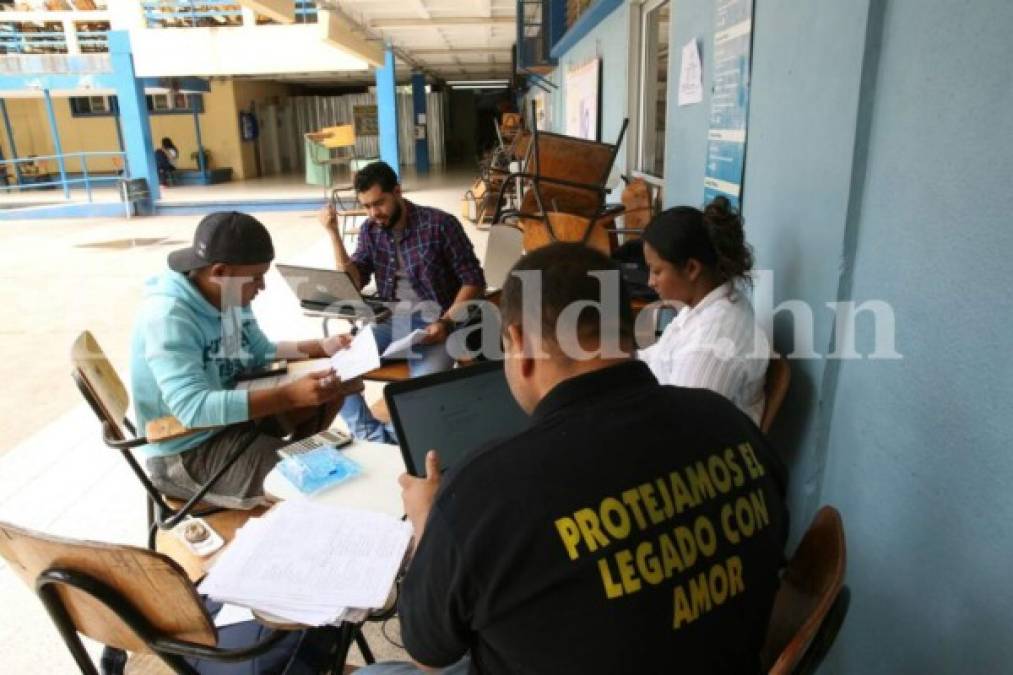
(701, 261)
(194, 336)
(423, 261)
(165, 161)
(632, 528)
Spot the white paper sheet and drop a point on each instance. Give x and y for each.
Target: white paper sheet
(359, 357)
(229, 615)
(690, 75)
(399, 349)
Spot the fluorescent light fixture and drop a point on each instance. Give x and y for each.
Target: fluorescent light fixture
(454, 83)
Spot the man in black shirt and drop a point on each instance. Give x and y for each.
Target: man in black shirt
(633, 528)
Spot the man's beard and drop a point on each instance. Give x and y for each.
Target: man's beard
(395, 217)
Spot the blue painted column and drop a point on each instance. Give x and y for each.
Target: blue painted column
(57, 146)
(201, 161)
(134, 122)
(386, 111)
(10, 139)
(420, 110)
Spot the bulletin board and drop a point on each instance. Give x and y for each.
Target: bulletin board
(583, 100)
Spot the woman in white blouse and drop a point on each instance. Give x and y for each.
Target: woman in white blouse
(701, 262)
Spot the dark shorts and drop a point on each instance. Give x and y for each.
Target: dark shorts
(242, 485)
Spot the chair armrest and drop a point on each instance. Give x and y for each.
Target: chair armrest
(166, 429)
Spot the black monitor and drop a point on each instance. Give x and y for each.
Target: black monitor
(453, 412)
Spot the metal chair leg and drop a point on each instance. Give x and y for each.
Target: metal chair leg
(360, 642)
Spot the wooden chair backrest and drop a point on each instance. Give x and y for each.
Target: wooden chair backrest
(776, 389)
(98, 374)
(565, 227)
(808, 589)
(341, 136)
(503, 249)
(639, 210)
(573, 159)
(155, 585)
(562, 198)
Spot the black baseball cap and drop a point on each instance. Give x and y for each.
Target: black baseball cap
(225, 237)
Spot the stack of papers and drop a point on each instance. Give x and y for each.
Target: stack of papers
(310, 563)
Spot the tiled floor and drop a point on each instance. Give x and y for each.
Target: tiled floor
(55, 474)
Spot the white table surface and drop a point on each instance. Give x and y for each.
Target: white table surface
(374, 489)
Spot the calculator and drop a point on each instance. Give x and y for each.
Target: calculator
(330, 437)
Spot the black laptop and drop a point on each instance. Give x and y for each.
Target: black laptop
(453, 412)
(331, 291)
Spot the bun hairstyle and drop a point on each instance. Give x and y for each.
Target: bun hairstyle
(714, 237)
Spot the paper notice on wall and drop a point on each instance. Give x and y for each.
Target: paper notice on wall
(690, 75)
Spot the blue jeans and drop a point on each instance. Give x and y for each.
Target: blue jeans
(405, 668)
(426, 359)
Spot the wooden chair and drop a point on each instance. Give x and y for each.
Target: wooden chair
(812, 601)
(775, 388)
(131, 599)
(104, 391)
(564, 188)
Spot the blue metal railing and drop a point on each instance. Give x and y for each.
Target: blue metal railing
(209, 13)
(87, 179)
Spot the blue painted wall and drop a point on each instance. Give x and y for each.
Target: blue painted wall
(919, 454)
(878, 167)
(608, 41)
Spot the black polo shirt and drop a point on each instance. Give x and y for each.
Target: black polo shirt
(632, 528)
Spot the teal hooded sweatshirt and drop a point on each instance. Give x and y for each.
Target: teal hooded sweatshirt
(185, 355)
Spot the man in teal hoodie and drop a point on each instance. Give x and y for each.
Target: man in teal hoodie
(194, 336)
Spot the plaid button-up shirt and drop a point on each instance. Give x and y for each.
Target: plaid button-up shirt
(437, 254)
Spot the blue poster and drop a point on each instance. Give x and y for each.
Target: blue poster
(726, 139)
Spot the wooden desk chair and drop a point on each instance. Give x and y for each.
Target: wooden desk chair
(812, 601)
(135, 600)
(394, 371)
(776, 388)
(104, 391)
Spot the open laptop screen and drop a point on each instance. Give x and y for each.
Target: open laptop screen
(453, 413)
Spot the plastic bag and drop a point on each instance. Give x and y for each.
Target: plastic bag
(317, 469)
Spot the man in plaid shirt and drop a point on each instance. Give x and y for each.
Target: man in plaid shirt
(422, 260)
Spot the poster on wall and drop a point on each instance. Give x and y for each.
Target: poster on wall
(583, 86)
(365, 119)
(541, 101)
(726, 139)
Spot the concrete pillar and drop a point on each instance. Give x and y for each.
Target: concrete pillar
(420, 110)
(386, 110)
(134, 121)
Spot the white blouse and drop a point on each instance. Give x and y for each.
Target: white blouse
(715, 345)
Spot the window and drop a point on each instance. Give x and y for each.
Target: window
(174, 104)
(653, 87)
(93, 106)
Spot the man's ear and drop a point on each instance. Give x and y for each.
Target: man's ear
(218, 270)
(396, 191)
(517, 348)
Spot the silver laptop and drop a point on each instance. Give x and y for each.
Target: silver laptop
(330, 291)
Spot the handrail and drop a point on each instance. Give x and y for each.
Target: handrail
(87, 179)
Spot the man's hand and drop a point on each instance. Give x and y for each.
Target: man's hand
(418, 493)
(435, 333)
(329, 219)
(336, 343)
(314, 389)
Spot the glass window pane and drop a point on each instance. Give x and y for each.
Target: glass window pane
(654, 88)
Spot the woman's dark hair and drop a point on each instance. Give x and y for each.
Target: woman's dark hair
(376, 173)
(713, 236)
(167, 143)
